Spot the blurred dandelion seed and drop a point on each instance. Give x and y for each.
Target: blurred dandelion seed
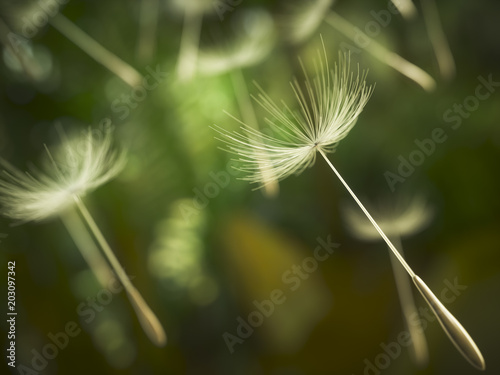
(392, 59)
(328, 110)
(89, 250)
(113, 63)
(244, 49)
(247, 51)
(190, 37)
(80, 165)
(302, 20)
(402, 221)
(405, 219)
(438, 39)
(22, 55)
(406, 8)
(34, 61)
(148, 24)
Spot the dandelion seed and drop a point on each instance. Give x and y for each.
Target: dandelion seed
(89, 250)
(22, 11)
(248, 50)
(148, 24)
(113, 63)
(438, 39)
(190, 37)
(303, 19)
(406, 8)
(328, 110)
(79, 166)
(402, 221)
(244, 49)
(381, 53)
(19, 55)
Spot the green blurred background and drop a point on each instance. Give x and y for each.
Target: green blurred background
(201, 253)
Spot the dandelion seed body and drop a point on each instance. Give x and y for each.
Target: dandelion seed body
(79, 166)
(328, 111)
(329, 108)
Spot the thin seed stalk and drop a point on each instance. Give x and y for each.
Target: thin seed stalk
(374, 223)
(389, 58)
(451, 326)
(438, 39)
(190, 39)
(87, 247)
(149, 322)
(95, 50)
(403, 286)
